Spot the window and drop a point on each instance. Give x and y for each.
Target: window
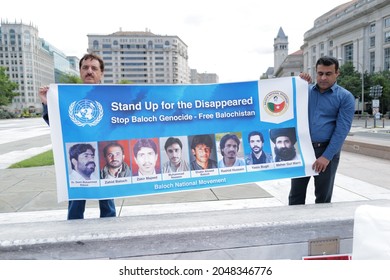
(314, 59)
(372, 41)
(331, 43)
(372, 62)
(387, 59)
(387, 37)
(95, 44)
(372, 28)
(387, 22)
(12, 36)
(348, 53)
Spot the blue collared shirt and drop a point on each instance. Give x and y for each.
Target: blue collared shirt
(330, 117)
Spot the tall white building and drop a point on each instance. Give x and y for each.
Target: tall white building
(26, 62)
(31, 62)
(357, 31)
(142, 57)
(62, 63)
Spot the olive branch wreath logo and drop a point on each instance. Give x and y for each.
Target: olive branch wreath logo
(79, 123)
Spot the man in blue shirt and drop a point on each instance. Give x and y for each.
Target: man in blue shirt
(331, 111)
(91, 69)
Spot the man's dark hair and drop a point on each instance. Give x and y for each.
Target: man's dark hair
(77, 150)
(92, 56)
(112, 144)
(202, 139)
(253, 133)
(227, 137)
(328, 61)
(170, 141)
(144, 143)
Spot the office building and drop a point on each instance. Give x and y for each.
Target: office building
(31, 62)
(63, 65)
(141, 57)
(357, 31)
(26, 62)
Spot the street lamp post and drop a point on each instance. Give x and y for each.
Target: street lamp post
(362, 111)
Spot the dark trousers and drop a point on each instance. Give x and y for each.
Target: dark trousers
(76, 209)
(323, 183)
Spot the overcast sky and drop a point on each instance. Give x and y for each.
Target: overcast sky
(233, 39)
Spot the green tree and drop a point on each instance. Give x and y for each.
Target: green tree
(383, 79)
(351, 79)
(7, 88)
(125, 82)
(70, 79)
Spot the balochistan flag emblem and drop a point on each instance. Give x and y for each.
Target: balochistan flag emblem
(276, 107)
(276, 102)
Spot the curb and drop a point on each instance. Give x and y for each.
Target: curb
(368, 149)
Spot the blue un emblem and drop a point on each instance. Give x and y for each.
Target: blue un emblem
(85, 112)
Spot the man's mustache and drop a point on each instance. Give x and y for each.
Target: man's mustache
(90, 162)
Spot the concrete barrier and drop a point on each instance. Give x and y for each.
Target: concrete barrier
(268, 233)
(368, 149)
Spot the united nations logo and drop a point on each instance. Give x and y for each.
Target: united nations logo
(276, 103)
(85, 112)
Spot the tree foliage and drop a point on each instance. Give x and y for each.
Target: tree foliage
(70, 79)
(382, 79)
(125, 82)
(351, 79)
(7, 88)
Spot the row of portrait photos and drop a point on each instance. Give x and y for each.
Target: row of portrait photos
(129, 161)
